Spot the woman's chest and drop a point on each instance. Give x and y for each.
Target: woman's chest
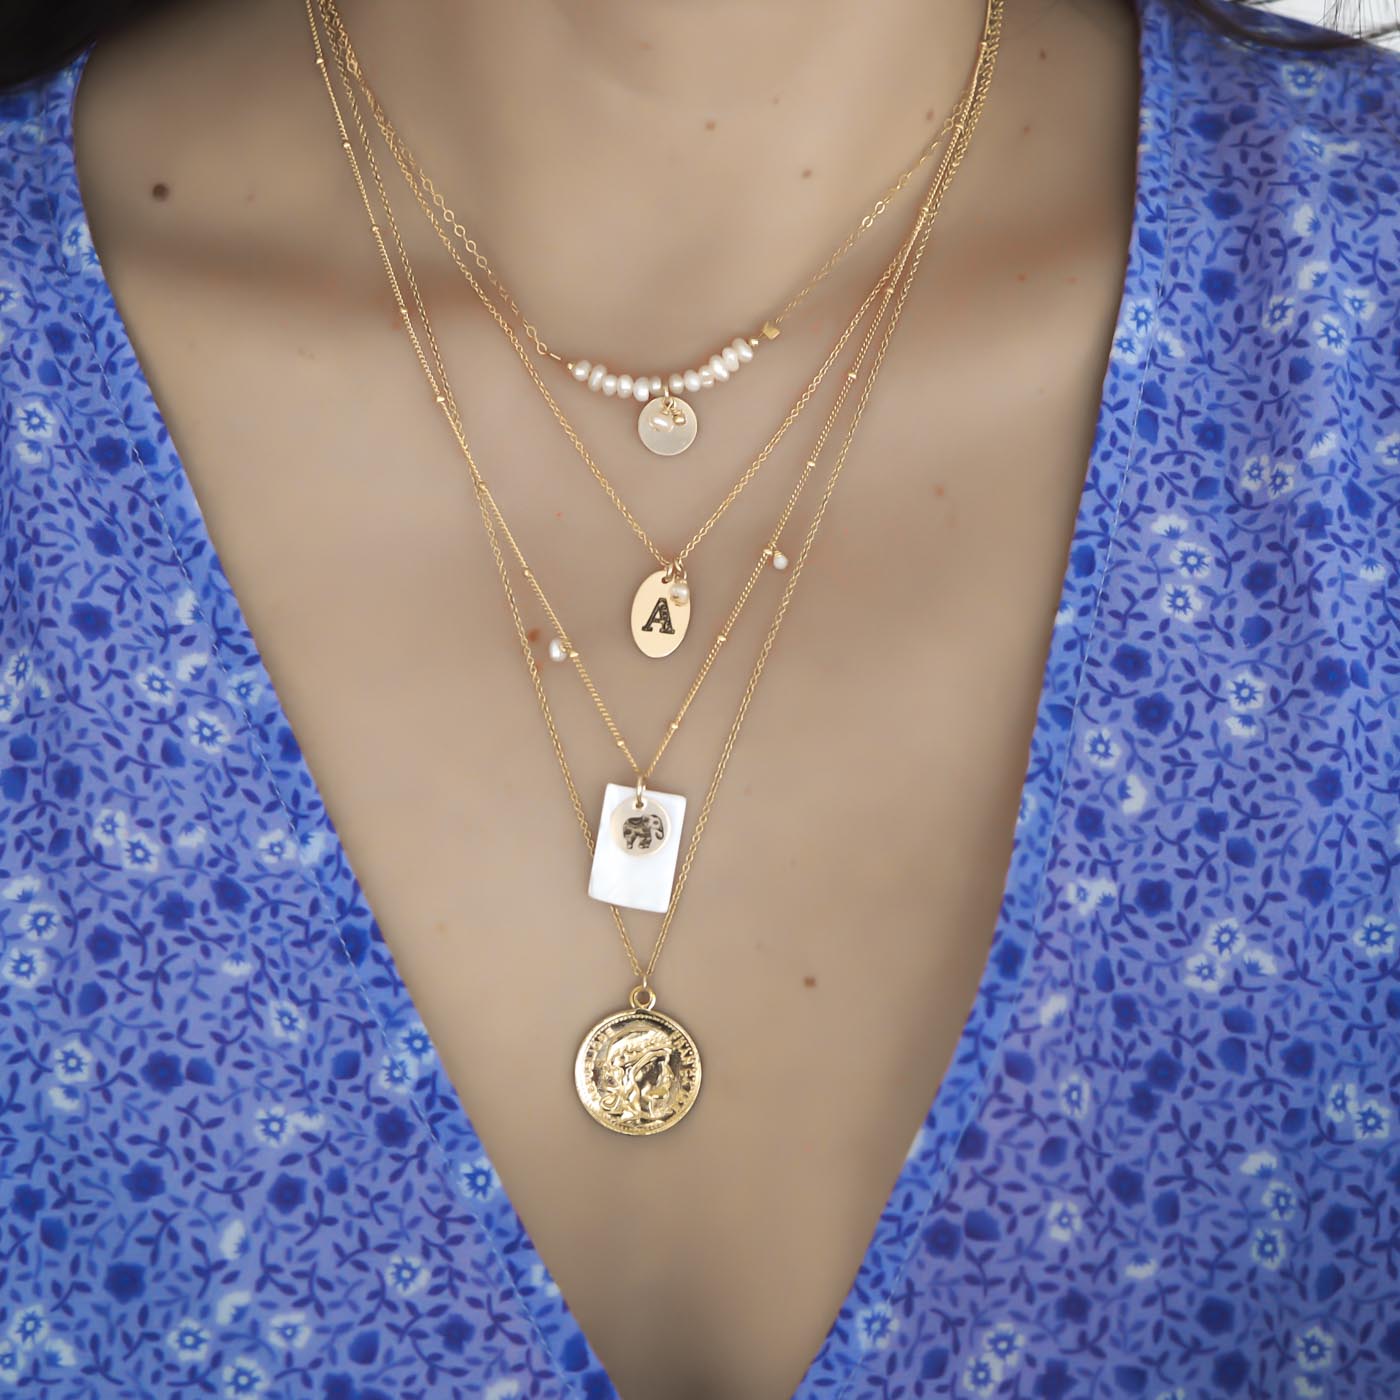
(837, 917)
(1142, 968)
(236, 1131)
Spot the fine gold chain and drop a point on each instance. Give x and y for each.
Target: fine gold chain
(528, 573)
(969, 110)
(346, 58)
(342, 60)
(336, 25)
(569, 650)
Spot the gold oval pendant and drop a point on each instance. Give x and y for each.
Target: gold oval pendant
(637, 1072)
(660, 614)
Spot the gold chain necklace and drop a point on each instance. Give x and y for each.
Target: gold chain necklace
(560, 646)
(666, 424)
(638, 1071)
(561, 640)
(660, 612)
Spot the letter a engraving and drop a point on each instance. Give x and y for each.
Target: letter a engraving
(660, 614)
(658, 628)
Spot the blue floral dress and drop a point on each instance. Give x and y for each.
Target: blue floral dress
(1164, 1160)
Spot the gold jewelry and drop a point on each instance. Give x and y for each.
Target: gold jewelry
(637, 1071)
(666, 424)
(560, 646)
(659, 615)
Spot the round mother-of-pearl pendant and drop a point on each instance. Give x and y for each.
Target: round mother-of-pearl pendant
(667, 425)
(661, 613)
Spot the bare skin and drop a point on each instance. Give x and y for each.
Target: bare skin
(838, 919)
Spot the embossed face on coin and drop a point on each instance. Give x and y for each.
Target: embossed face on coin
(637, 1072)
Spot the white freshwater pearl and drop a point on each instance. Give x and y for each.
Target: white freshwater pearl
(557, 651)
(707, 377)
(581, 368)
(742, 348)
(689, 380)
(780, 560)
(680, 594)
(677, 383)
(730, 356)
(656, 385)
(641, 390)
(719, 369)
(595, 376)
(624, 386)
(610, 384)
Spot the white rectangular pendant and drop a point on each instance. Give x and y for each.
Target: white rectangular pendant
(634, 855)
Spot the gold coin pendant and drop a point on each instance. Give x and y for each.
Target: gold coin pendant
(637, 1072)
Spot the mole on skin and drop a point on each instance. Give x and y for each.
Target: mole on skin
(160, 190)
(809, 981)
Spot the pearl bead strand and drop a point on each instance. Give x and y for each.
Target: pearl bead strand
(718, 369)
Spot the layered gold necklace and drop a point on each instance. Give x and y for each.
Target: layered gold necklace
(637, 1070)
(660, 612)
(667, 424)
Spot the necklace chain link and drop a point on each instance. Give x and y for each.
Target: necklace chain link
(893, 286)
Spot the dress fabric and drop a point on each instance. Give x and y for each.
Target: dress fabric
(1163, 1162)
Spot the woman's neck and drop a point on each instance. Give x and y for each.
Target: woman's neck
(607, 154)
(645, 177)
(649, 60)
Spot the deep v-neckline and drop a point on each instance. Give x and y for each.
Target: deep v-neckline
(870, 1308)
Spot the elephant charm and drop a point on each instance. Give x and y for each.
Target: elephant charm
(640, 834)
